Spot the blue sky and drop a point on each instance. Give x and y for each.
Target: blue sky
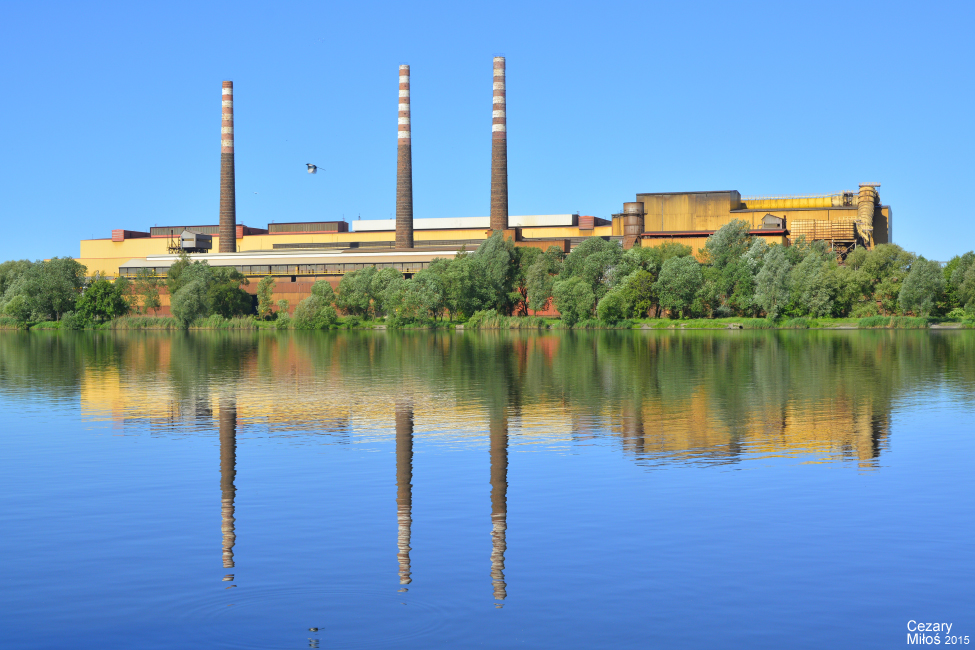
(111, 111)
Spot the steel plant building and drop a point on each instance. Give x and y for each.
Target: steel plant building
(300, 253)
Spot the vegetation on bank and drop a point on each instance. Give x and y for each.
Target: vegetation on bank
(742, 282)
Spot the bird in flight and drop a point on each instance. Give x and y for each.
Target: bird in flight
(312, 169)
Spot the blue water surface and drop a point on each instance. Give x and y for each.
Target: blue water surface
(607, 490)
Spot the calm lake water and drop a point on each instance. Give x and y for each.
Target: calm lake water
(414, 490)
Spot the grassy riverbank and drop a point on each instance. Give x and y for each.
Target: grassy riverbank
(494, 321)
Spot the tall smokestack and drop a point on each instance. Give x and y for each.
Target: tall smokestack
(499, 151)
(228, 203)
(404, 165)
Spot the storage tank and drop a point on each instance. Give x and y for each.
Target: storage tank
(865, 203)
(632, 223)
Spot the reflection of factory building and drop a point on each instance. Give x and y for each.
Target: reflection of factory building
(301, 252)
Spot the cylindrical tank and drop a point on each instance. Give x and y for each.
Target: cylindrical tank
(632, 223)
(865, 203)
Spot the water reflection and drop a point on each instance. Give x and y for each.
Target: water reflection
(663, 397)
(228, 473)
(404, 487)
(499, 502)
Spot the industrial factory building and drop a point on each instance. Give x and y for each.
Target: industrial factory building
(301, 252)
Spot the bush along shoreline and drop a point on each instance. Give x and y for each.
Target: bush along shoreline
(740, 282)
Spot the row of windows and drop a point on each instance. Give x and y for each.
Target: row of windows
(296, 269)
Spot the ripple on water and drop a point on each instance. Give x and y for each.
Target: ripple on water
(280, 617)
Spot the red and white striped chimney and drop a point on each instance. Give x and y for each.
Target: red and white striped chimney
(499, 151)
(404, 165)
(228, 205)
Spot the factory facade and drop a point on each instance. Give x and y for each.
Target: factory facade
(300, 253)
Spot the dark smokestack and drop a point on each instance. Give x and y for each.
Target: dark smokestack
(404, 487)
(404, 165)
(228, 204)
(228, 472)
(499, 501)
(499, 151)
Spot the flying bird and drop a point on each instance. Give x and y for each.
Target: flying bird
(312, 169)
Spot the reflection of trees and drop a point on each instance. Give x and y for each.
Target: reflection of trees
(707, 396)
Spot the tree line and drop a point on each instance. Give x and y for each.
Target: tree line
(737, 275)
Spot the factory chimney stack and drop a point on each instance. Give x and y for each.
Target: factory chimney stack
(499, 151)
(404, 165)
(228, 204)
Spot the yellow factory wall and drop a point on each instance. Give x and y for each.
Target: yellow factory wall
(882, 228)
(792, 203)
(697, 243)
(688, 211)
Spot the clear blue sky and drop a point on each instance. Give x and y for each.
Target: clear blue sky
(111, 111)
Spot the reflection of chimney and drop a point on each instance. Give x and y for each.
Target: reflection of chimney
(499, 502)
(499, 151)
(228, 472)
(633, 434)
(404, 165)
(228, 206)
(404, 487)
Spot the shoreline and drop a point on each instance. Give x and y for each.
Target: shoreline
(533, 323)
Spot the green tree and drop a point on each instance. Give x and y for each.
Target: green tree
(431, 287)
(921, 287)
(963, 281)
(102, 300)
(228, 300)
(465, 285)
(314, 312)
(378, 284)
(729, 277)
(811, 288)
(728, 245)
(18, 308)
(539, 277)
(49, 289)
(772, 282)
(174, 275)
(641, 296)
(146, 289)
(525, 257)
(679, 281)
(613, 307)
(224, 293)
(594, 261)
(498, 264)
(190, 302)
(574, 298)
(265, 301)
(10, 271)
(355, 292)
